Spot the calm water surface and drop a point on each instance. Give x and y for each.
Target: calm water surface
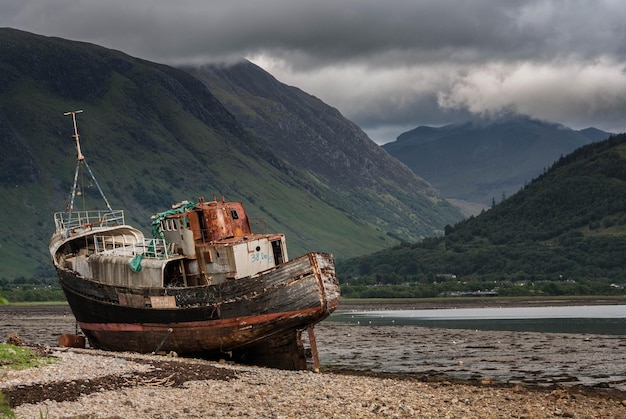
(608, 320)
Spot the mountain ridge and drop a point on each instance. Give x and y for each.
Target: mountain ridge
(482, 159)
(155, 135)
(338, 152)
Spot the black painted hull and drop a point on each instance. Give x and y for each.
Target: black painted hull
(253, 318)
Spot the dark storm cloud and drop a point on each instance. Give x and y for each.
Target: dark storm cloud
(384, 64)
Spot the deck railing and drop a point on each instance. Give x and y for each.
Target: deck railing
(115, 244)
(118, 245)
(69, 222)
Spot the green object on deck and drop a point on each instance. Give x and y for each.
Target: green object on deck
(135, 263)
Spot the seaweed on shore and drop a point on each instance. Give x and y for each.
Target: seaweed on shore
(163, 373)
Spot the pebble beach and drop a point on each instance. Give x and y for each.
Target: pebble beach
(366, 372)
(239, 391)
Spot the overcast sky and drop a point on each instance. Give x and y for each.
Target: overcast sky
(387, 65)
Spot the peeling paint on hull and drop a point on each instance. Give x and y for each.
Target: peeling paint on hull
(260, 325)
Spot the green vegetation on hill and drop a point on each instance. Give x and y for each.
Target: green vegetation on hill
(155, 135)
(332, 157)
(564, 233)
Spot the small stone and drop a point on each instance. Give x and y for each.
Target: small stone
(15, 339)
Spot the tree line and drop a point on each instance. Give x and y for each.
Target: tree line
(562, 234)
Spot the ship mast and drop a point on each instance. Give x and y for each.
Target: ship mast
(75, 136)
(80, 161)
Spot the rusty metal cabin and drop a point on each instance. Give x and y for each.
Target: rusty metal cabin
(216, 243)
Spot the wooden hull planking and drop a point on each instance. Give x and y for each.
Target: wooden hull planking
(257, 319)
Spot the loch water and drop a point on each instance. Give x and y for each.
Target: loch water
(606, 319)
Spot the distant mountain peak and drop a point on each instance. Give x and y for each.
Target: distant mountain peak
(425, 133)
(595, 134)
(481, 159)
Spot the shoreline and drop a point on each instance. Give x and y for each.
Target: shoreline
(375, 304)
(425, 303)
(600, 391)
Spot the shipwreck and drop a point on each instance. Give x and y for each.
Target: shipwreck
(204, 284)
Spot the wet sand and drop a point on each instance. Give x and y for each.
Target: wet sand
(551, 360)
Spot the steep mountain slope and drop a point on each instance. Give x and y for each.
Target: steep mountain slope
(479, 161)
(344, 166)
(154, 135)
(568, 226)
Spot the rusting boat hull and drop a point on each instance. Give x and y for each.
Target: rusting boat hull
(260, 323)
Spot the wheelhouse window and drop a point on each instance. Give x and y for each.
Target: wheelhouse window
(169, 224)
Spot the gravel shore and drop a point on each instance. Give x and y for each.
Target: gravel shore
(367, 371)
(96, 384)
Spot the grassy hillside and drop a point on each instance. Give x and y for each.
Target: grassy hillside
(563, 233)
(153, 135)
(335, 158)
